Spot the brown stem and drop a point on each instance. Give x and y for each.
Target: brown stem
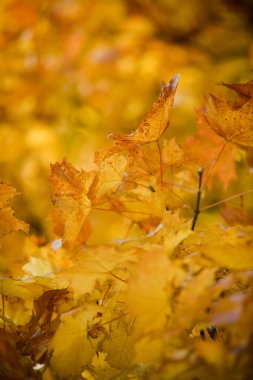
(197, 208)
(227, 199)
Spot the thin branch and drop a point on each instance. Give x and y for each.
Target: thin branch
(227, 199)
(3, 308)
(160, 162)
(214, 163)
(197, 208)
(123, 211)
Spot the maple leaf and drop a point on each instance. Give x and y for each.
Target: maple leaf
(232, 123)
(172, 153)
(120, 348)
(8, 221)
(71, 202)
(155, 122)
(205, 149)
(111, 172)
(72, 348)
(146, 295)
(236, 215)
(244, 90)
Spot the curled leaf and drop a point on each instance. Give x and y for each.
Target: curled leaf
(156, 121)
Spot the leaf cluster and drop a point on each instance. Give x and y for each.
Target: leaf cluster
(171, 296)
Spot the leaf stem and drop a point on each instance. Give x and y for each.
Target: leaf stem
(160, 162)
(227, 199)
(197, 208)
(214, 163)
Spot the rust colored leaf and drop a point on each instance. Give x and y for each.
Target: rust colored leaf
(244, 90)
(236, 215)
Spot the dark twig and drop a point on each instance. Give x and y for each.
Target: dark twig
(197, 208)
(3, 307)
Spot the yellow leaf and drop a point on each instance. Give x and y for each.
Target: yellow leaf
(86, 375)
(213, 352)
(99, 361)
(72, 348)
(176, 229)
(21, 289)
(235, 256)
(150, 355)
(146, 293)
(172, 154)
(119, 347)
(111, 172)
(38, 267)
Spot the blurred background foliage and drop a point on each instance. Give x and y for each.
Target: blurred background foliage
(72, 71)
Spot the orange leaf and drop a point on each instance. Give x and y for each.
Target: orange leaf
(71, 201)
(232, 123)
(244, 90)
(205, 148)
(8, 221)
(236, 215)
(156, 121)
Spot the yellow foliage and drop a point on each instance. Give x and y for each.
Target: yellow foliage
(128, 271)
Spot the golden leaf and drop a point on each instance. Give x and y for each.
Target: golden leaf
(72, 348)
(8, 221)
(233, 124)
(146, 295)
(71, 201)
(156, 121)
(172, 153)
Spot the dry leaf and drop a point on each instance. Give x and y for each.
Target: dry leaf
(156, 121)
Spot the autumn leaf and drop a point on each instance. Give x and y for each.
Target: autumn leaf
(244, 90)
(233, 124)
(72, 349)
(172, 153)
(146, 292)
(110, 174)
(205, 148)
(155, 122)
(120, 350)
(8, 221)
(236, 215)
(71, 202)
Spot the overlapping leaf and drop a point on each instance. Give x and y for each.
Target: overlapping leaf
(8, 221)
(232, 123)
(71, 201)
